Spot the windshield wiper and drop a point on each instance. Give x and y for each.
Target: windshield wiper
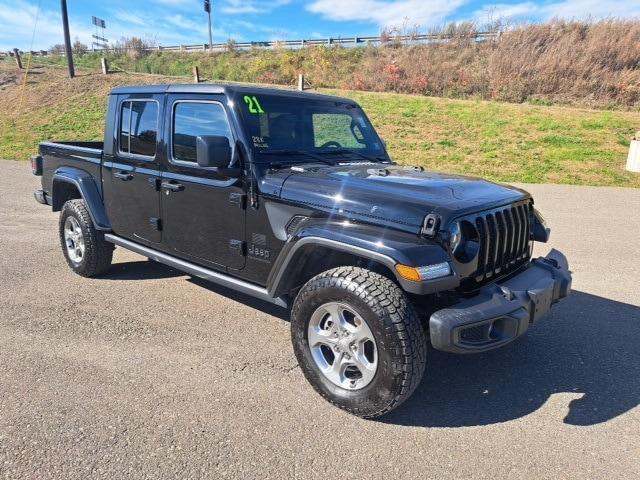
(342, 151)
(298, 152)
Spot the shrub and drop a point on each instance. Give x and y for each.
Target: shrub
(593, 64)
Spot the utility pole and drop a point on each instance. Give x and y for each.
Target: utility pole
(67, 38)
(207, 8)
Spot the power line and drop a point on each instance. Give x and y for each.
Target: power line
(26, 72)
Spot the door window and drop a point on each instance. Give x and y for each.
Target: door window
(195, 119)
(139, 127)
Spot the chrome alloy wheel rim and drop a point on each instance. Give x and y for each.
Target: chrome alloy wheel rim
(343, 346)
(74, 240)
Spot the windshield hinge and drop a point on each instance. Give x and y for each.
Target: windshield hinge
(253, 189)
(431, 225)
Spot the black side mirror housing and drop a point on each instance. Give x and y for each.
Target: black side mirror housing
(213, 151)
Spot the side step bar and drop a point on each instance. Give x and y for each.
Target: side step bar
(197, 271)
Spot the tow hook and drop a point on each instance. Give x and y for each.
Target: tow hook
(506, 292)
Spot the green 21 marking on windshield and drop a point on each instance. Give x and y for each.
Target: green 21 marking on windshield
(253, 104)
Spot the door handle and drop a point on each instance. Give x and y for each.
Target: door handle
(173, 186)
(124, 176)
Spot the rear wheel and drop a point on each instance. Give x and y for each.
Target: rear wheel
(358, 340)
(85, 249)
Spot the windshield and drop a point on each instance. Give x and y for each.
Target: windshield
(299, 126)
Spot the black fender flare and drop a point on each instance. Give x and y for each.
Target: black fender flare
(386, 247)
(86, 185)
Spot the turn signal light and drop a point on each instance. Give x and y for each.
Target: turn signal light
(428, 272)
(408, 273)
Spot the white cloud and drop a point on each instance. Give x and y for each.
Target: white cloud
(384, 12)
(594, 8)
(126, 16)
(253, 27)
(187, 24)
(568, 9)
(504, 10)
(182, 29)
(179, 3)
(238, 7)
(18, 19)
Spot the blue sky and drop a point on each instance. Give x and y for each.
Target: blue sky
(173, 22)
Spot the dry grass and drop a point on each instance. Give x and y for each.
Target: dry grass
(52, 107)
(578, 63)
(594, 64)
(504, 141)
(500, 141)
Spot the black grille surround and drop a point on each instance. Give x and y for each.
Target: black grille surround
(504, 242)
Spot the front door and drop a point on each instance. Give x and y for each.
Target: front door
(203, 212)
(132, 173)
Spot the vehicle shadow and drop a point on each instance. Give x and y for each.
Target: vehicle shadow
(252, 302)
(588, 346)
(140, 270)
(151, 270)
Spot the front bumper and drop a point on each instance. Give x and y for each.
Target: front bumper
(502, 312)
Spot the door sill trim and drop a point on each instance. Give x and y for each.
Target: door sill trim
(197, 271)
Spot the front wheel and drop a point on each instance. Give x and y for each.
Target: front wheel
(358, 340)
(85, 249)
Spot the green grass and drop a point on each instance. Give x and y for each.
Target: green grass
(505, 142)
(499, 141)
(81, 120)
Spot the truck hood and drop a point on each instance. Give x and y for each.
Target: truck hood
(396, 196)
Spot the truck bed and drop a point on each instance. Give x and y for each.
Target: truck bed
(88, 145)
(86, 156)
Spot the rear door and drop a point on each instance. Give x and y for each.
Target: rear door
(132, 172)
(203, 212)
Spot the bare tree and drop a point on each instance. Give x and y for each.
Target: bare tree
(79, 47)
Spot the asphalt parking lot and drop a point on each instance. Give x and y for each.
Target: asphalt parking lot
(148, 373)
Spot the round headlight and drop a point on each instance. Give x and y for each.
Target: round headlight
(541, 230)
(464, 241)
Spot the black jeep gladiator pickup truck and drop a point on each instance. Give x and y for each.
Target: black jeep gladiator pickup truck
(292, 198)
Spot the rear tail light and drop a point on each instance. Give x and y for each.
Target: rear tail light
(36, 165)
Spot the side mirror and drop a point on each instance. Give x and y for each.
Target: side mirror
(213, 152)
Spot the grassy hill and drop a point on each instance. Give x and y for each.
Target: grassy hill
(501, 141)
(592, 64)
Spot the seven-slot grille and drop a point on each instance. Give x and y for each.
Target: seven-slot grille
(504, 236)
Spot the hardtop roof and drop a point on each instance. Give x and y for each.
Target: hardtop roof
(226, 89)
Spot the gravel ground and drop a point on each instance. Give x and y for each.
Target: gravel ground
(147, 373)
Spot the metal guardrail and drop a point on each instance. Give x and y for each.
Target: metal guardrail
(346, 41)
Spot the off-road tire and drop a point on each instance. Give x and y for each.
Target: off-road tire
(98, 252)
(398, 333)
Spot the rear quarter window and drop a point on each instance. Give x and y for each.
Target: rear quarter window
(139, 127)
